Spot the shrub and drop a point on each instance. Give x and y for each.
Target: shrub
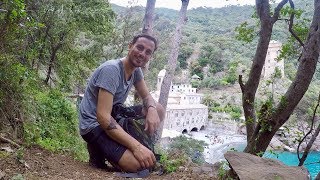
(191, 147)
(55, 125)
(171, 161)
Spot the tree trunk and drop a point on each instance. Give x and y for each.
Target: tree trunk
(172, 60)
(147, 25)
(260, 139)
(54, 50)
(148, 17)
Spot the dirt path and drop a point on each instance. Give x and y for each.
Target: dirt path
(37, 163)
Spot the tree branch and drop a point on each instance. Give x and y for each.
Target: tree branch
(6, 140)
(291, 24)
(277, 10)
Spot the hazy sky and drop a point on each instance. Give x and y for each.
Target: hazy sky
(176, 4)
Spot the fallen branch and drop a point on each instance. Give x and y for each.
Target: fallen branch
(6, 140)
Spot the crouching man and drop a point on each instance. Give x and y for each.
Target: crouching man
(109, 87)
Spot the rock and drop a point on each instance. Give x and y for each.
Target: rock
(181, 168)
(196, 170)
(250, 167)
(287, 148)
(6, 149)
(242, 129)
(276, 144)
(2, 174)
(217, 165)
(206, 169)
(318, 177)
(211, 175)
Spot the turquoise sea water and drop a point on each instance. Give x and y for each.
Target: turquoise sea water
(312, 162)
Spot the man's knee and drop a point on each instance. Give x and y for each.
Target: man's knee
(161, 111)
(129, 163)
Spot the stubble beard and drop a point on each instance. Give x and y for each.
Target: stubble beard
(136, 64)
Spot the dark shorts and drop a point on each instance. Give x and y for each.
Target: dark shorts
(101, 146)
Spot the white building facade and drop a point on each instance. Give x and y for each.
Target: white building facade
(272, 62)
(184, 109)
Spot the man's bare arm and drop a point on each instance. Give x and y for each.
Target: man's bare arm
(148, 102)
(112, 124)
(109, 124)
(150, 107)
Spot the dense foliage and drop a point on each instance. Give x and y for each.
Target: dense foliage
(48, 47)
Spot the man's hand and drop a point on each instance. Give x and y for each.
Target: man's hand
(152, 120)
(145, 157)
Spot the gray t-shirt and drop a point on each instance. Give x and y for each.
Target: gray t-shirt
(109, 76)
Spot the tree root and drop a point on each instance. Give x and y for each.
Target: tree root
(6, 140)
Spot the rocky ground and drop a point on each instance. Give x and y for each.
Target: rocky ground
(37, 163)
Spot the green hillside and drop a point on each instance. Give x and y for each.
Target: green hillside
(210, 33)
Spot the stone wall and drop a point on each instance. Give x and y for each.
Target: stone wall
(186, 118)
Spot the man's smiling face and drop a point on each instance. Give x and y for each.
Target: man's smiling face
(140, 52)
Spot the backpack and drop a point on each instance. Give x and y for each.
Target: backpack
(133, 124)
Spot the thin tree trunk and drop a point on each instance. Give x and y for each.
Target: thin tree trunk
(52, 61)
(313, 138)
(148, 17)
(172, 61)
(148, 25)
(309, 145)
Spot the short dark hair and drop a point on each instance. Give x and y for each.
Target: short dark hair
(135, 39)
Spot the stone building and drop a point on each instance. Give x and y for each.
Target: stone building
(184, 109)
(271, 62)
